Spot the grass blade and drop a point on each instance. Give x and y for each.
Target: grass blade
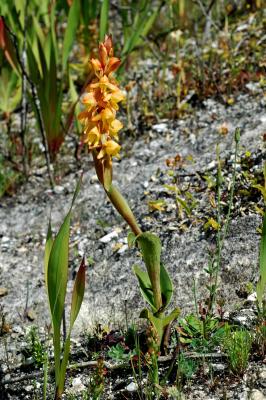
(262, 262)
(104, 19)
(72, 25)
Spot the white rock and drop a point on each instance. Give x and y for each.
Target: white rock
(77, 385)
(59, 189)
(132, 387)
(252, 297)
(160, 127)
(123, 249)
(256, 395)
(107, 238)
(262, 377)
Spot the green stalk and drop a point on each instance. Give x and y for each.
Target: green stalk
(63, 368)
(57, 353)
(121, 205)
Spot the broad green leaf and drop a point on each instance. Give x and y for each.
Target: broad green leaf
(150, 247)
(166, 286)
(58, 266)
(262, 263)
(77, 294)
(145, 286)
(47, 251)
(72, 25)
(104, 19)
(58, 271)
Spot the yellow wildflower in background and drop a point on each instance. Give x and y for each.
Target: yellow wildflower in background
(101, 100)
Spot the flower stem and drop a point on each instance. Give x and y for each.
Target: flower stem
(120, 203)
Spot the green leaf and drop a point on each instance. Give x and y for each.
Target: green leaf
(262, 263)
(58, 266)
(10, 90)
(58, 271)
(131, 239)
(150, 246)
(143, 21)
(72, 25)
(145, 286)
(77, 294)
(47, 251)
(160, 323)
(104, 19)
(166, 286)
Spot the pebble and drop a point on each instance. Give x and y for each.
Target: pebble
(107, 238)
(262, 377)
(59, 189)
(160, 127)
(252, 297)
(256, 395)
(132, 387)
(77, 385)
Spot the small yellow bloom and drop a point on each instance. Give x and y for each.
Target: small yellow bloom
(115, 127)
(110, 148)
(92, 137)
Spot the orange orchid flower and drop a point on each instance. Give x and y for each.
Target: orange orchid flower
(101, 100)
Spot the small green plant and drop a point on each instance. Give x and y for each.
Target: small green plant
(119, 353)
(96, 385)
(202, 333)
(186, 368)
(237, 345)
(35, 347)
(56, 273)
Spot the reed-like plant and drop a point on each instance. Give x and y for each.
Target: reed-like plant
(56, 276)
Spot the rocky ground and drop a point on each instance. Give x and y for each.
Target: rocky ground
(112, 296)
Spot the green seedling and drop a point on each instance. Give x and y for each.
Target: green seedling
(237, 346)
(56, 274)
(35, 347)
(200, 333)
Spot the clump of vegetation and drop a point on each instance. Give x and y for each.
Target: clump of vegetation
(237, 346)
